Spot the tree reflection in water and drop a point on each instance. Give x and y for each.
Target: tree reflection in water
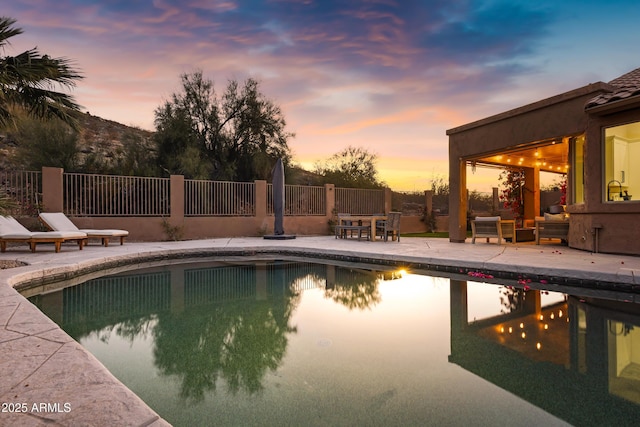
(355, 289)
(209, 324)
(238, 342)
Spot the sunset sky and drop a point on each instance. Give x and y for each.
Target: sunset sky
(388, 75)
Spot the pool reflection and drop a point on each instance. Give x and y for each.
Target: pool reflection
(577, 357)
(238, 322)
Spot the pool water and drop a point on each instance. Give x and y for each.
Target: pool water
(278, 342)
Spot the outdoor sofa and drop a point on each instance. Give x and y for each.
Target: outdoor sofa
(552, 226)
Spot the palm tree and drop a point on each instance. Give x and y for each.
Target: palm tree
(28, 80)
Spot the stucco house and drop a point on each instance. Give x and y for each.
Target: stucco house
(591, 133)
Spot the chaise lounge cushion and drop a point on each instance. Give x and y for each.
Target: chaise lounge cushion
(59, 222)
(556, 217)
(488, 218)
(12, 231)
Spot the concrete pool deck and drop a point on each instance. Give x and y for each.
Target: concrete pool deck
(48, 378)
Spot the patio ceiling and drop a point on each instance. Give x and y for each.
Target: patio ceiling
(548, 156)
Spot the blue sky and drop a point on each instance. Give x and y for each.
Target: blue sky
(388, 75)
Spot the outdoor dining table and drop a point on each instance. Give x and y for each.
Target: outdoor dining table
(364, 218)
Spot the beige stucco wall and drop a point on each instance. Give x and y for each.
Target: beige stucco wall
(151, 229)
(615, 224)
(178, 226)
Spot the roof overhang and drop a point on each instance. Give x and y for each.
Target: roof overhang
(590, 89)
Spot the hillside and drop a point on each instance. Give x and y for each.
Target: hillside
(105, 139)
(98, 136)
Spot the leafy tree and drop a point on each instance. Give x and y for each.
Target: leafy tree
(27, 81)
(440, 186)
(235, 136)
(352, 167)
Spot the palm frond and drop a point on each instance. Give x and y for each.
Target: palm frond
(30, 80)
(7, 30)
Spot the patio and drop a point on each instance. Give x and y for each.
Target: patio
(591, 134)
(43, 364)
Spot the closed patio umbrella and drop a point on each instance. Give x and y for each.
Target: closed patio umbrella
(278, 197)
(277, 174)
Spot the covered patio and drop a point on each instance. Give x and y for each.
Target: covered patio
(591, 134)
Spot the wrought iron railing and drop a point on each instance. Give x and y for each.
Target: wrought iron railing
(24, 190)
(112, 195)
(300, 200)
(358, 201)
(219, 198)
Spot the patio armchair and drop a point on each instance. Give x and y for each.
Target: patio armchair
(57, 221)
(552, 227)
(493, 227)
(391, 226)
(12, 231)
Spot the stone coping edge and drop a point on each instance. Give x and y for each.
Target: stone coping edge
(106, 401)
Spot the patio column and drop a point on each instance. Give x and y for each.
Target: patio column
(457, 199)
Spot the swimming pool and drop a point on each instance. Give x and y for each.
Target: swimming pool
(277, 342)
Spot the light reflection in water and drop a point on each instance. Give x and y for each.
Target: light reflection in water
(301, 343)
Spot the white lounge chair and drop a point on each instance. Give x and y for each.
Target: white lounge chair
(58, 221)
(12, 231)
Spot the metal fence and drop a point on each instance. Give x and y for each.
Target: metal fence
(219, 198)
(111, 195)
(357, 201)
(24, 189)
(300, 200)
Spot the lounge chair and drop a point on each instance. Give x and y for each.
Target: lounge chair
(12, 231)
(58, 221)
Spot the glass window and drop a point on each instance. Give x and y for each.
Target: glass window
(577, 169)
(621, 149)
